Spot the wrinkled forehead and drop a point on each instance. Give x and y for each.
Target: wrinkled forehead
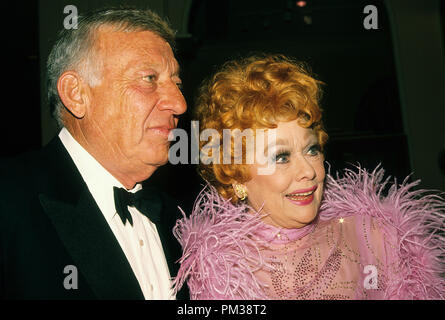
(121, 47)
(293, 130)
(291, 134)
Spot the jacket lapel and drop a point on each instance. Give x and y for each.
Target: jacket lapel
(160, 208)
(169, 213)
(165, 234)
(84, 231)
(93, 246)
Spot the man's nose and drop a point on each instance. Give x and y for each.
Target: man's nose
(172, 99)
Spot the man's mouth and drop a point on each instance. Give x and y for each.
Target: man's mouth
(163, 131)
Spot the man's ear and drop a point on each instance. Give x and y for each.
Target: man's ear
(72, 91)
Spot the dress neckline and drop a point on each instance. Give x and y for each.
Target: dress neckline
(278, 235)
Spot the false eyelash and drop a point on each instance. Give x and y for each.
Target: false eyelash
(281, 153)
(316, 147)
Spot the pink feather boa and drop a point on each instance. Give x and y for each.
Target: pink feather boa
(221, 251)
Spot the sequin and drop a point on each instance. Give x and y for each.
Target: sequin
(329, 263)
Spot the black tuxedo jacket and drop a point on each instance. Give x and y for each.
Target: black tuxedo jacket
(49, 220)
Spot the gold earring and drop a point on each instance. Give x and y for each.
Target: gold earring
(240, 191)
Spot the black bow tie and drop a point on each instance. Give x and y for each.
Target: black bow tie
(146, 200)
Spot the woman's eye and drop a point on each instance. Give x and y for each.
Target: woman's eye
(180, 86)
(282, 157)
(314, 150)
(150, 78)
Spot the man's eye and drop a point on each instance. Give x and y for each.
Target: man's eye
(150, 78)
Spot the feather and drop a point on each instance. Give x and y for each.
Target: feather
(220, 251)
(413, 218)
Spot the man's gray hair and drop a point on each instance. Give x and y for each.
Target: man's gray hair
(74, 48)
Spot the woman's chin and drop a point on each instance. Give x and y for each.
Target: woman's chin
(293, 222)
(309, 219)
(304, 215)
(304, 218)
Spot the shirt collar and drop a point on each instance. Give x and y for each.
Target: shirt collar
(98, 180)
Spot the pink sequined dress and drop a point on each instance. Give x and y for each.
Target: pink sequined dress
(362, 245)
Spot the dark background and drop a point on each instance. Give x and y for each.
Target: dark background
(361, 101)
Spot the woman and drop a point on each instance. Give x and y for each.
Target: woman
(295, 232)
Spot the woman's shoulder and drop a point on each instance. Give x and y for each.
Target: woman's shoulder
(219, 253)
(408, 223)
(368, 194)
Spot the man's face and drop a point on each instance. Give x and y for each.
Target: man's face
(134, 108)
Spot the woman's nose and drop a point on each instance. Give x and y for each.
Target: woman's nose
(304, 169)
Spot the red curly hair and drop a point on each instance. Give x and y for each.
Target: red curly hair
(255, 92)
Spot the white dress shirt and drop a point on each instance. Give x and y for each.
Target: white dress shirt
(140, 242)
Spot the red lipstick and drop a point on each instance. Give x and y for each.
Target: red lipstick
(312, 189)
(302, 197)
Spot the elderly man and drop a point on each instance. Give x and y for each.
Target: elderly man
(76, 221)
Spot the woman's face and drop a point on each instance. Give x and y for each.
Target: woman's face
(292, 193)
